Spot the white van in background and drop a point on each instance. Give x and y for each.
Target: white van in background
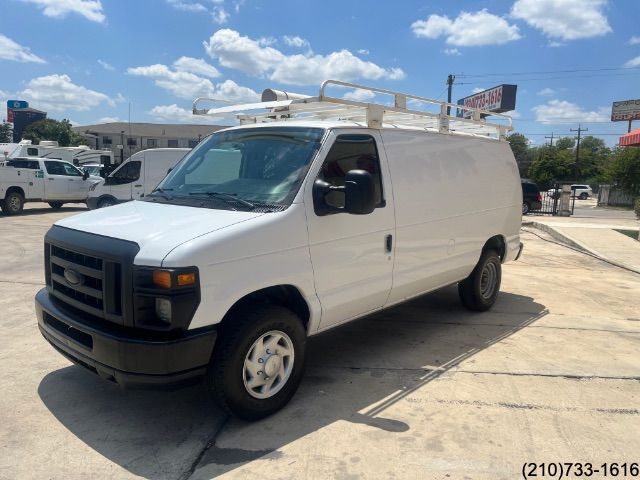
(137, 176)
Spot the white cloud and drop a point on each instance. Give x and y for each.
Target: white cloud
(250, 56)
(359, 95)
(478, 90)
(10, 50)
(561, 111)
(105, 65)
(547, 92)
(635, 40)
(296, 41)
(363, 51)
(513, 114)
(187, 6)
(90, 9)
(182, 84)
(634, 62)
(197, 66)
(468, 29)
(189, 85)
(556, 44)
(109, 120)
(220, 15)
(452, 51)
(59, 93)
(175, 114)
(564, 19)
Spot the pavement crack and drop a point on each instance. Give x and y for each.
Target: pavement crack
(207, 446)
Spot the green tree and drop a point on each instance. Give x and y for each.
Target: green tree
(6, 132)
(50, 129)
(624, 169)
(594, 155)
(565, 143)
(551, 165)
(521, 151)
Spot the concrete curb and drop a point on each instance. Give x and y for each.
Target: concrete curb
(572, 242)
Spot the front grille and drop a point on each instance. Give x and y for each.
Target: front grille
(68, 331)
(86, 282)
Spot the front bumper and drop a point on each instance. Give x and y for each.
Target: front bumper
(121, 355)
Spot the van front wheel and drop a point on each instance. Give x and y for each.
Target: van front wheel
(258, 361)
(478, 292)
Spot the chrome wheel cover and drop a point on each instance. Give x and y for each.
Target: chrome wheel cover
(268, 364)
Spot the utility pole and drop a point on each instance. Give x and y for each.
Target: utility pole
(575, 165)
(450, 80)
(550, 138)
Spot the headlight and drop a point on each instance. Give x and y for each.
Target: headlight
(165, 298)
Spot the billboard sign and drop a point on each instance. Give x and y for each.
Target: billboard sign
(497, 99)
(17, 104)
(625, 110)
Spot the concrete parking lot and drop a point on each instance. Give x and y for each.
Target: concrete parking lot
(423, 390)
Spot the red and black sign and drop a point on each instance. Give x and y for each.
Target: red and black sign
(497, 99)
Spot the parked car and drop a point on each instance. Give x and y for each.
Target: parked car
(581, 191)
(93, 169)
(531, 197)
(273, 231)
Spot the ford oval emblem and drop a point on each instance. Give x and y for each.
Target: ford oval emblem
(72, 277)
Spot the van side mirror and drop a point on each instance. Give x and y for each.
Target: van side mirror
(85, 175)
(359, 194)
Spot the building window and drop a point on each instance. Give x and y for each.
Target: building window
(172, 143)
(106, 140)
(132, 142)
(152, 143)
(193, 142)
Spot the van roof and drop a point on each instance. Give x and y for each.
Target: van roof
(405, 111)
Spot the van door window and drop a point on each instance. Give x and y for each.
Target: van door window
(351, 152)
(128, 173)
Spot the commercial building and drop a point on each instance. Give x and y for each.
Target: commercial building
(140, 136)
(22, 118)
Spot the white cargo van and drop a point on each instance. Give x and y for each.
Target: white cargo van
(295, 222)
(136, 177)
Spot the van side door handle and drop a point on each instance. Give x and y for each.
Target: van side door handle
(388, 243)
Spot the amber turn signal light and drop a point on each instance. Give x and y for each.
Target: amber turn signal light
(162, 278)
(186, 279)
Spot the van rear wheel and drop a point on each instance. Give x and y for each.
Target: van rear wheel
(478, 292)
(56, 205)
(258, 361)
(106, 202)
(13, 203)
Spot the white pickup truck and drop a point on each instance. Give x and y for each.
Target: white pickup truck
(41, 180)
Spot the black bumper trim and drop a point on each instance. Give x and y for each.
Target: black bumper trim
(126, 360)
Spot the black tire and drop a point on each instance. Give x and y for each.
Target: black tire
(478, 292)
(583, 196)
(225, 379)
(525, 208)
(56, 205)
(13, 203)
(106, 202)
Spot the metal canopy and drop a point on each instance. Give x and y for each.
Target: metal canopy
(404, 111)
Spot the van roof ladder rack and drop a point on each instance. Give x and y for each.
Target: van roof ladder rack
(405, 111)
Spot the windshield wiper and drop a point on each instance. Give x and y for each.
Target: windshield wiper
(163, 193)
(229, 197)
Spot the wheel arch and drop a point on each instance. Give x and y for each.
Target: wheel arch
(15, 189)
(286, 295)
(497, 243)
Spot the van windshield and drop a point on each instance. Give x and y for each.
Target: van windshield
(242, 169)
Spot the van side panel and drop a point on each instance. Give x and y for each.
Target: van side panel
(156, 165)
(451, 194)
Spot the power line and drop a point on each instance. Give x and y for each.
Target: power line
(608, 75)
(543, 72)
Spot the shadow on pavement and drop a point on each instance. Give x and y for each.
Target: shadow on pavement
(39, 211)
(354, 374)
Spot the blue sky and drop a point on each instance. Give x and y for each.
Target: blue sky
(87, 60)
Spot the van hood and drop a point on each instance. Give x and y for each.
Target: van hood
(156, 228)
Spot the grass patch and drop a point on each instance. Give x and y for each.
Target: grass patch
(629, 233)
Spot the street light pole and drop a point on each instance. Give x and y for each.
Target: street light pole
(122, 145)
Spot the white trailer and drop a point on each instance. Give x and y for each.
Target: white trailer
(50, 149)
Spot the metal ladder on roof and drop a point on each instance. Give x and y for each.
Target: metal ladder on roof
(404, 111)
